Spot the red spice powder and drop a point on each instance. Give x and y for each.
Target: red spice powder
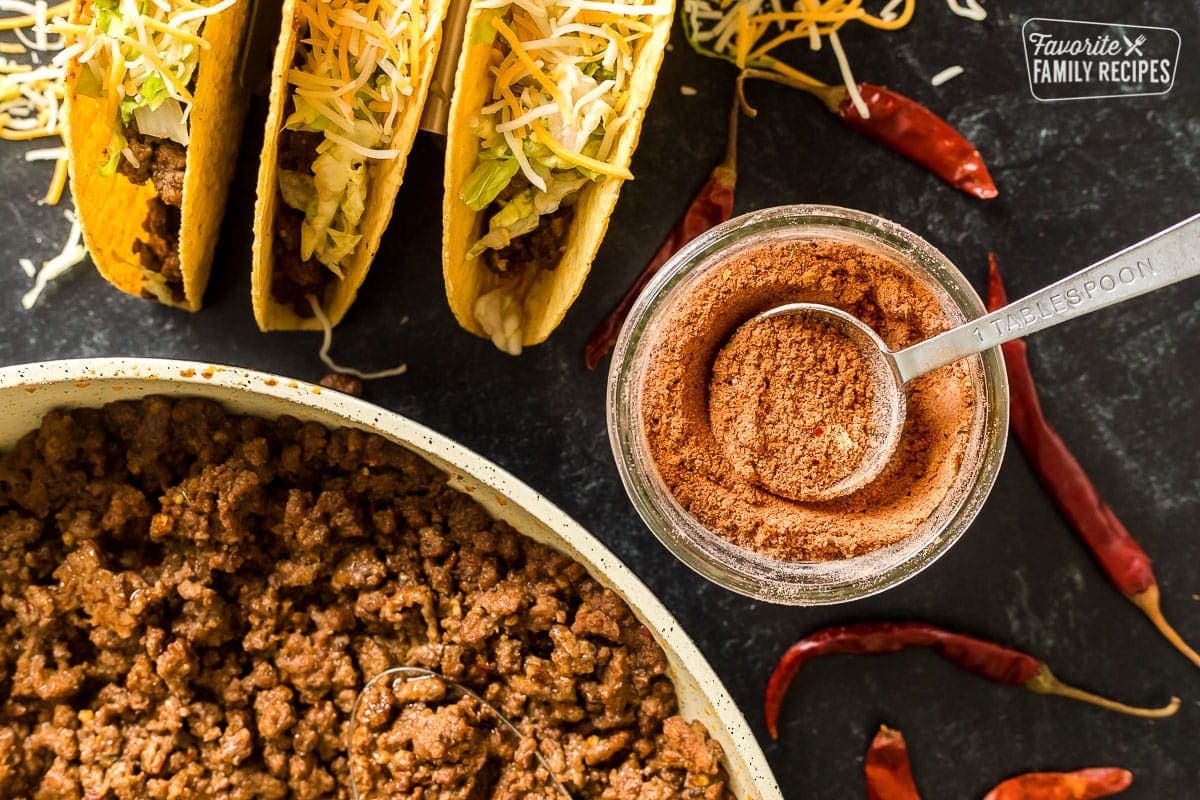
(792, 403)
(712, 459)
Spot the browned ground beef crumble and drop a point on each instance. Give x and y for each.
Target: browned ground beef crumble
(162, 162)
(294, 278)
(190, 601)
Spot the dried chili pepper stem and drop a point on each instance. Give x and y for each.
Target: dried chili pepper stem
(1120, 556)
(711, 206)
(1045, 682)
(889, 773)
(829, 95)
(988, 660)
(1148, 601)
(901, 123)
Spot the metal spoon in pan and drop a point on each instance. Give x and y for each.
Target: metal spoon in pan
(409, 675)
(1161, 260)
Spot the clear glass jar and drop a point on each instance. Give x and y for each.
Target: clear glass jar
(743, 570)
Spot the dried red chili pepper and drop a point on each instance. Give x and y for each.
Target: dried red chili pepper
(987, 660)
(1085, 784)
(889, 777)
(1120, 556)
(907, 127)
(889, 774)
(711, 206)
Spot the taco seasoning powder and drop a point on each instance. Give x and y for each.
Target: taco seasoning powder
(739, 417)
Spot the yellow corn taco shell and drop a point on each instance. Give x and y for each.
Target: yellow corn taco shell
(383, 177)
(111, 209)
(552, 292)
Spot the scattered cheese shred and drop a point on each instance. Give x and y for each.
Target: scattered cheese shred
(55, 191)
(848, 77)
(949, 73)
(747, 32)
(73, 253)
(327, 342)
(888, 12)
(971, 9)
(31, 107)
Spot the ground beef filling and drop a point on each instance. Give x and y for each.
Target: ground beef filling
(190, 602)
(540, 249)
(162, 162)
(294, 278)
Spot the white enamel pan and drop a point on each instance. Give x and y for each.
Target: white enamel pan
(28, 391)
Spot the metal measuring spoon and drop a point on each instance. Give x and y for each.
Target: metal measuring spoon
(1161, 260)
(412, 674)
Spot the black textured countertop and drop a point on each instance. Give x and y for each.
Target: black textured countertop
(1078, 181)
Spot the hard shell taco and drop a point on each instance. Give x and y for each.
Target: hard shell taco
(154, 115)
(350, 79)
(546, 113)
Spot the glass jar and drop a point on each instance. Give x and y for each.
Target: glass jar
(743, 570)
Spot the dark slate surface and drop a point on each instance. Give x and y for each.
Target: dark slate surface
(1078, 181)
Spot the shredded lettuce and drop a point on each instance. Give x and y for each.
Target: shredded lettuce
(522, 213)
(165, 121)
(487, 181)
(560, 108)
(115, 147)
(333, 198)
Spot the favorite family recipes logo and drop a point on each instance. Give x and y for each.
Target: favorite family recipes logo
(1073, 60)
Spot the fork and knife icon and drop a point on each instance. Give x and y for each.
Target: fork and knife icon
(1134, 46)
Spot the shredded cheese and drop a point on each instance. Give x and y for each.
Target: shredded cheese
(31, 98)
(847, 76)
(355, 49)
(748, 32)
(73, 253)
(888, 12)
(144, 57)
(563, 74)
(327, 342)
(949, 73)
(971, 9)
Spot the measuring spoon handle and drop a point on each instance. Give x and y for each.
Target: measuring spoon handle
(1165, 258)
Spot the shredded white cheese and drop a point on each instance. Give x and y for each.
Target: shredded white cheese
(567, 84)
(971, 9)
(73, 253)
(688, 91)
(327, 342)
(888, 12)
(46, 154)
(949, 73)
(848, 76)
